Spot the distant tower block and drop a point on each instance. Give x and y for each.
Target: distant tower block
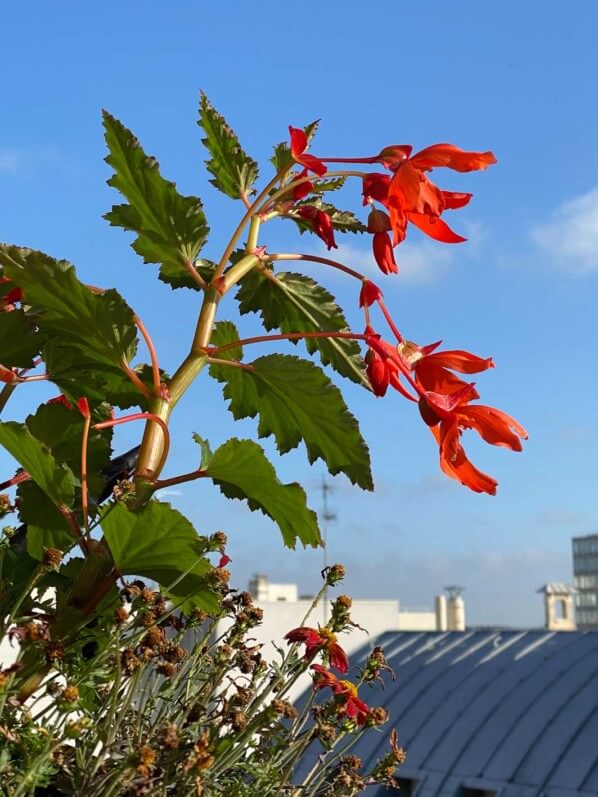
(558, 606)
(455, 609)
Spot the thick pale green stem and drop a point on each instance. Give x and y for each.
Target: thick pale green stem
(238, 271)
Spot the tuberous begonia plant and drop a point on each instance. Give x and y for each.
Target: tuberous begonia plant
(84, 340)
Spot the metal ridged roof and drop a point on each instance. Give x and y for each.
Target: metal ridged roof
(511, 712)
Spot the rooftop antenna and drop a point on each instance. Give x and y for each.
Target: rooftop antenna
(454, 591)
(327, 516)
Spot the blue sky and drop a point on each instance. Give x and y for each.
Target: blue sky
(517, 78)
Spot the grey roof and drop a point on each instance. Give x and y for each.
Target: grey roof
(514, 713)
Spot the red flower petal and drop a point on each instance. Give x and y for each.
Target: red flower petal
(454, 199)
(453, 157)
(383, 253)
(435, 228)
(369, 293)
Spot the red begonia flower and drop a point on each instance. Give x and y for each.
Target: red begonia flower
(448, 415)
(320, 640)
(383, 254)
(431, 367)
(377, 373)
(369, 293)
(321, 224)
(224, 560)
(299, 144)
(345, 694)
(412, 197)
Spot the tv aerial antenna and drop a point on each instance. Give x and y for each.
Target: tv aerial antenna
(327, 516)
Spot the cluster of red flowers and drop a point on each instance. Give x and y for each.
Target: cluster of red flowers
(406, 193)
(419, 373)
(323, 640)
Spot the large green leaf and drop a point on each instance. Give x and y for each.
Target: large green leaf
(160, 543)
(100, 325)
(296, 303)
(241, 470)
(171, 228)
(61, 430)
(234, 171)
(46, 526)
(78, 373)
(54, 479)
(296, 401)
(19, 342)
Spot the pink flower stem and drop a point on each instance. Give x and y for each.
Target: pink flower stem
(141, 416)
(314, 259)
(35, 378)
(389, 320)
(84, 495)
(152, 352)
(289, 336)
(141, 387)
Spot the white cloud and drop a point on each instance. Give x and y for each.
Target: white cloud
(10, 160)
(571, 236)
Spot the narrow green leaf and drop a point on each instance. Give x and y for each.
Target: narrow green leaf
(19, 342)
(296, 303)
(234, 171)
(206, 451)
(296, 401)
(241, 470)
(55, 480)
(160, 543)
(171, 228)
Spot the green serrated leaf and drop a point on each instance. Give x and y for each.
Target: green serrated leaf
(206, 451)
(296, 401)
(326, 186)
(55, 480)
(19, 341)
(241, 470)
(61, 430)
(80, 373)
(296, 303)
(226, 332)
(234, 171)
(160, 543)
(171, 228)
(100, 325)
(172, 274)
